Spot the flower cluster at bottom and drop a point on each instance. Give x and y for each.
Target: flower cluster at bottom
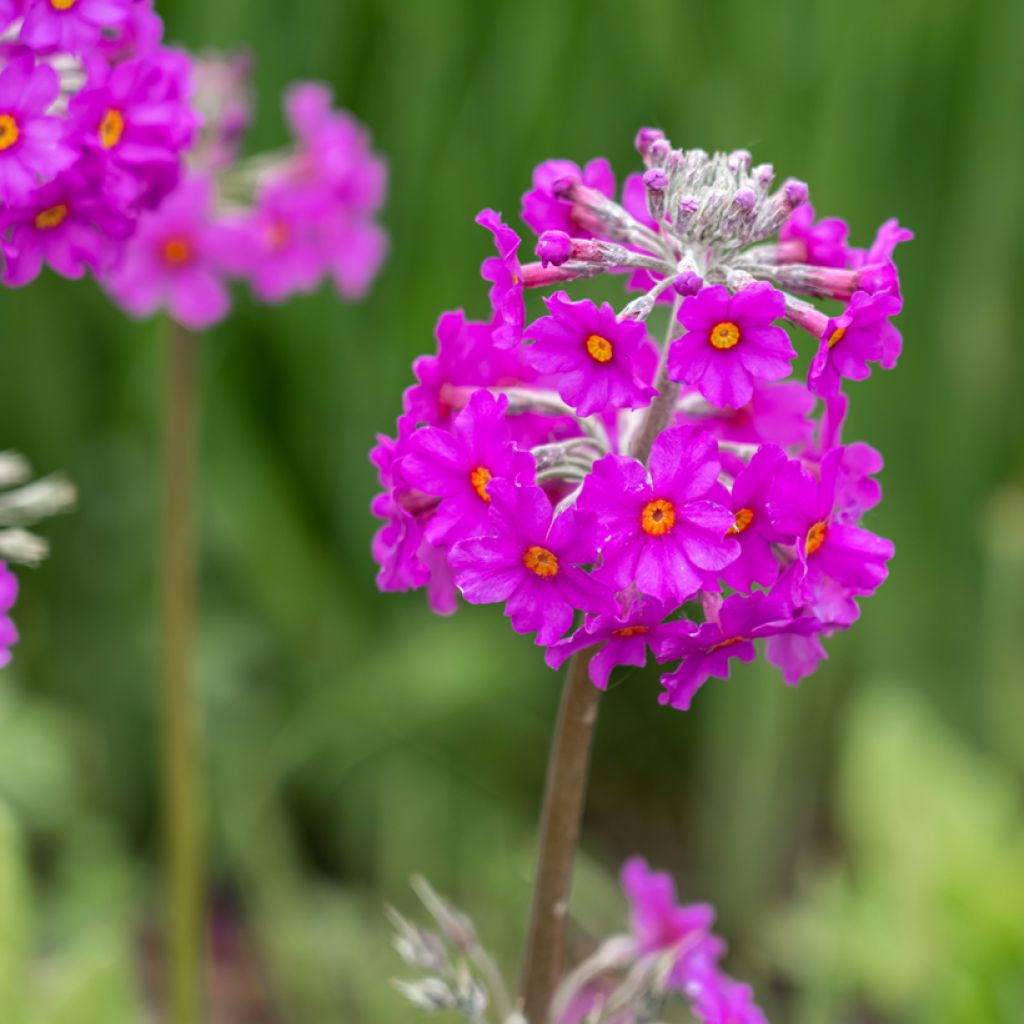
(688, 498)
(669, 952)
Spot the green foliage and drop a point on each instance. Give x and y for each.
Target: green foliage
(923, 918)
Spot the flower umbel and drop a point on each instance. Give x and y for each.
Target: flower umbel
(686, 495)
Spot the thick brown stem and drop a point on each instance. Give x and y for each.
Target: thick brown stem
(564, 795)
(182, 750)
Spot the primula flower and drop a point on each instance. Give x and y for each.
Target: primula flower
(708, 650)
(31, 142)
(822, 244)
(623, 639)
(730, 342)
(461, 465)
(69, 224)
(660, 924)
(531, 563)
(545, 211)
(804, 507)
(596, 358)
(660, 532)
(677, 470)
(71, 26)
(860, 335)
(179, 259)
(752, 526)
(506, 277)
(8, 595)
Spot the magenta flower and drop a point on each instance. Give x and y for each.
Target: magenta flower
(889, 235)
(466, 359)
(595, 357)
(860, 335)
(531, 563)
(544, 211)
(822, 244)
(179, 259)
(69, 224)
(460, 466)
(828, 548)
(134, 117)
(716, 999)
(707, 650)
(70, 26)
(286, 254)
(32, 149)
(660, 532)
(752, 526)
(8, 595)
(730, 342)
(776, 414)
(658, 923)
(623, 639)
(506, 277)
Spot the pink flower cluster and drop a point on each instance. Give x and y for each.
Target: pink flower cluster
(686, 497)
(660, 929)
(94, 116)
(282, 222)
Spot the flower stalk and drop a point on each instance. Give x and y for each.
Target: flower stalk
(180, 724)
(565, 791)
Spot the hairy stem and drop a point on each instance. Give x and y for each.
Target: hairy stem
(182, 753)
(564, 794)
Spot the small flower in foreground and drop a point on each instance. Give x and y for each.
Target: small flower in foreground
(596, 357)
(661, 532)
(707, 650)
(860, 335)
(730, 342)
(179, 258)
(531, 563)
(31, 145)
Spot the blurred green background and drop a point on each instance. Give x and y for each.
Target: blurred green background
(862, 835)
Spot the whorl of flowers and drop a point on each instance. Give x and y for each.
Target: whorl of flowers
(690, 496)
(669, 953)
(280, 221)
(94, 117)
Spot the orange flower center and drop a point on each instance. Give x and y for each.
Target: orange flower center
(177, 251)
(628, 631)
(725, 335)
(540, 561)
(815, 537)
(658, 517)
(599, 349)
(9, 131)
(479, 479)
(63, 5)
(837, 336)
(111, 128)
(726, 643)
(278, 234)
(741, 521)
(51, 218)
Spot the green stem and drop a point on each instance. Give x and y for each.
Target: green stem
(565, 791)
(182, 752)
